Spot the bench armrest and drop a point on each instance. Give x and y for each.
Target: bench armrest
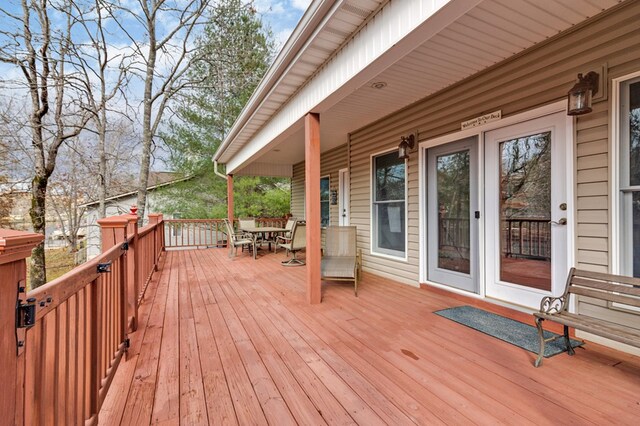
(552, 305)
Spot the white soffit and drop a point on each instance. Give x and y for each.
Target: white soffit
(416, 47)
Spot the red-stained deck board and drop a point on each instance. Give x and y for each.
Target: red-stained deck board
(234, 341)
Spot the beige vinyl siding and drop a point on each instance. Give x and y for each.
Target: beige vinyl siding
(297, 191)
(541, 75)
(330, 163)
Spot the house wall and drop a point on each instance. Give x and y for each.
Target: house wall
(330, 163)
(541, 75)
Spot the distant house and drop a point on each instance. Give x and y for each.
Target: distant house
(121, 202)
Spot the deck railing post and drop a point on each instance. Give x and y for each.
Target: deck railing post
(15, 247)
(133, 290)
(156, 219)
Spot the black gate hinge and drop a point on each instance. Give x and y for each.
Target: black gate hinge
(127, 343)
(104, 267)
(125, 245)
(26, 313)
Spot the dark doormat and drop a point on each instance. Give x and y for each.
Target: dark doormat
(506, 329)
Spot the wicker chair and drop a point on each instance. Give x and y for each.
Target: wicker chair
(286, 237)
(297, 243)
(238, 239)
(342, 261)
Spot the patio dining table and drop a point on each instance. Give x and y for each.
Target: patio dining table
(255, 231)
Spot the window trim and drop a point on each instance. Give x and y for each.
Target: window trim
(619, 242)
(373, 250)
(328, 177)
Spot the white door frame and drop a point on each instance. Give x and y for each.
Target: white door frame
(343, 197)
(479, 130)
(495, 287)
(465, 281)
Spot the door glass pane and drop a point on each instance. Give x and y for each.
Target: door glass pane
(525, 211)
(453, 212)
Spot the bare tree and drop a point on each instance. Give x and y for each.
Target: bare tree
(96, 61)
(57, 102)
(163, 61)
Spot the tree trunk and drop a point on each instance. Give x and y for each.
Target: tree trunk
(147, 136)
(38, 273)
(102, 167)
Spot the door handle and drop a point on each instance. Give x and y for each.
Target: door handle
(562, 221)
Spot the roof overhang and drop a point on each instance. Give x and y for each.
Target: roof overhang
(416, 47)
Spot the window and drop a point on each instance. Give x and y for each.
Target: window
(389, 205)
(324, 201)
(629, 132)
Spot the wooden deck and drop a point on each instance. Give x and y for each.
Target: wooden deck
(226, 341)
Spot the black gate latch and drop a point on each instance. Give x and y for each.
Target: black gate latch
(26, 313)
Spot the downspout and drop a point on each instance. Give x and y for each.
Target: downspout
(215, 169)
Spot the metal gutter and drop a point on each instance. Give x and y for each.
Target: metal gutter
(294, 46)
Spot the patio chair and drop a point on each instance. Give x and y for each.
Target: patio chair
(297, 243)
(342, 261)
(250, 222)
(237, 239)
(286, 237)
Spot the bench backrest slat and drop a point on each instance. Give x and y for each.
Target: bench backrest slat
(607, 277)
(605, 295)
(606, 286)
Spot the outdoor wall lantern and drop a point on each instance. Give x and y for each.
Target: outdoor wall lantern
(581, 93)
(333, 197)
(406, 144)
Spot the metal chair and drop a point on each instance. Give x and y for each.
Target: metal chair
(238, 239)
(286, 237)
(297, 243)
(342, 261)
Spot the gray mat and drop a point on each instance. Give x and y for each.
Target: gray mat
(506, 329)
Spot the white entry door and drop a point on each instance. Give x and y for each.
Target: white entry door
(452, 214)
(343, 197)
(527, 179)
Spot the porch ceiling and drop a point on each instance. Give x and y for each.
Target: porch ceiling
(489, 32)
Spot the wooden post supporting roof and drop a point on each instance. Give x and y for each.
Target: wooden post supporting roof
(230, 198)
(312, 194)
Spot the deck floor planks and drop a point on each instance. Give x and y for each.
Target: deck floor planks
(351, 401)
(219, 405)
(143, 387)
(245, 400)
(113, 405)
(273, 405)
(391, 377)
(298, 402)
(394, 392)
(454, 334)
(484, 345)
(251, 320)
(193, 408)
(166, 404)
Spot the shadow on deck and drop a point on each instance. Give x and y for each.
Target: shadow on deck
(225, 341)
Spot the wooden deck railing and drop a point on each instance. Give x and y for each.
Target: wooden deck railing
(527, 238)
(67, 337)
(190, 233)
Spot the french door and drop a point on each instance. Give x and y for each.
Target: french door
(526, 210)
(452, 214)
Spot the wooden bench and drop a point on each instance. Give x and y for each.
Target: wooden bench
(610, 288)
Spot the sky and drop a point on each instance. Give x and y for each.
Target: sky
(281, 16)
